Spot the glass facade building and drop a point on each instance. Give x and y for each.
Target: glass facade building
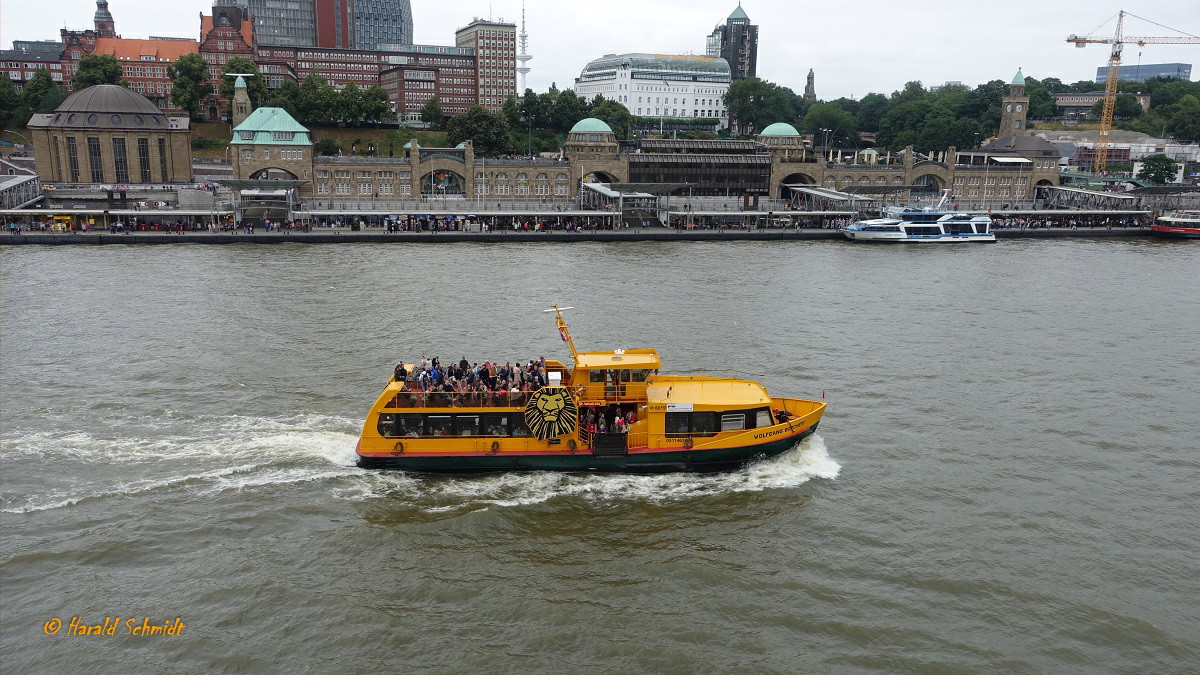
(1145, 71)
(379, 22)
(282, 23)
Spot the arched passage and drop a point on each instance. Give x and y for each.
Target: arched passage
(442, 182)
(794, 179)
(927, 184)
(599, 177)
(273, 173)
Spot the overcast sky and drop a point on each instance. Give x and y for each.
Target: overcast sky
(855, 47)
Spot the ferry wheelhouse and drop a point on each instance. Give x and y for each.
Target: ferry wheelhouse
(900, 225)
(669, 422)
(1179, 225)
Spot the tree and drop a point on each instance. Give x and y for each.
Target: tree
(431, 113)
(615, 115)
(327, 146)
(349, 108)
(10, 101)
(754, 104)
(871, 110)
(376, 106)
(512, 112)
(287, 96)
(487, 131)
(1185, 119)
(42, 94)
(256, 88)
(829, 116)
(317, 100)
(1158, 169)
(566, 111)
(95, 69)
(189, 82)
(1126, 106)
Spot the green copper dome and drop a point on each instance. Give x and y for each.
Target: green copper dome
(780, 129)
(1019, 79)
(591, 125)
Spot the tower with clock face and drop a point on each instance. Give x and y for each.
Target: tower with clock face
(1014, 108)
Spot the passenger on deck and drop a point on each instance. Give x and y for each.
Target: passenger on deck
(401, 372)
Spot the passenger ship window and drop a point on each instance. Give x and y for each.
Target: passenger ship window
(466, 425)
(733, 421)
(677, 424)
(762, 418)
(437, 425)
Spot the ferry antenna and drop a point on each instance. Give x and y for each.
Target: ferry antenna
(564, 331)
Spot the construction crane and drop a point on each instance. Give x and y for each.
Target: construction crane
(1118, 41)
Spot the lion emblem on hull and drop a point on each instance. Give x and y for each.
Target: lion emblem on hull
(551, 413)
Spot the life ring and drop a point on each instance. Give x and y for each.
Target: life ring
(562, 334)
(688, 442)
(398, 449)
(572, 446)
(495, 447)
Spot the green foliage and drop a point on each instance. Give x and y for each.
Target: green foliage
(512, 112)
(615, 115)
(256, 88)
(1158, 169)
(327, 147)
(189, 82)
(487, 131)
(42, 94)
(95, 69)
(287, 96)
(839, 122)
(1126, 106)
(317, 100)
(754, 104)
(202, 143)
(376, 106)
(431, 114)
(10, 101)
(349, 103)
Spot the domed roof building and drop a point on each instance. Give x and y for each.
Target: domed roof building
(780, 129)
(109, 134)
(591, 125)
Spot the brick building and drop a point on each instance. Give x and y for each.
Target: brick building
(425, 71)
(495, 45)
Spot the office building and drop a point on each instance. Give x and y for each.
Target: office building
(495, 45)
(285, 23)
(1145, 71)
(422, 72)
(660, 85)
(362, 24)
(736, 41)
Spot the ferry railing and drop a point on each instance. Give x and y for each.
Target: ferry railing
(624, 391)
(638, 439)
(471, 399)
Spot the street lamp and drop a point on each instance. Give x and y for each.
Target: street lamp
(826, 144)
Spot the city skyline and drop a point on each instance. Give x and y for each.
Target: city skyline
(848, 57)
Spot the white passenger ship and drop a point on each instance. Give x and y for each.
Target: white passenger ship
(907, 224)
(922, 226)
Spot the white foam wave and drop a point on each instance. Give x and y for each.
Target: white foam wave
(809, 459)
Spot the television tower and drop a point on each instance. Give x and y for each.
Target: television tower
(523, 56)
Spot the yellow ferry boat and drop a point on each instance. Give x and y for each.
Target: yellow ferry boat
(610, 411)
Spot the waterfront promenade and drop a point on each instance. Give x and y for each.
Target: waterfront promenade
(346, 236)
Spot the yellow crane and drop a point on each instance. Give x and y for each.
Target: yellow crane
(1118, 41)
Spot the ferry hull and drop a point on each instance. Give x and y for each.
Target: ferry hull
(1168, 232)
(659, 461)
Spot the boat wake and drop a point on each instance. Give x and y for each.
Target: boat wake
(809, 459)
(238, 453)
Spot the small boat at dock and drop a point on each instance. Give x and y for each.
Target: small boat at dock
(1177, 225)
(608, 411)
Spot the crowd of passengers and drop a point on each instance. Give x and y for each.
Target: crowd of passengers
(433, 384)
(1072, 223)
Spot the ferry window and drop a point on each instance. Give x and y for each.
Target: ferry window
(409, 425)
(466, 425)
(677, 424)
(493, 425)
(762, 418)
(595, 376)
(733, 421)
(704, 423)
(519, 428)
(437, 425)
(625, 375)
(387, 425)
(640, 375)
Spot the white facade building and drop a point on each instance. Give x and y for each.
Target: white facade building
(660, 85)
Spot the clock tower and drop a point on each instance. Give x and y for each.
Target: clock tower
(1014, 108)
